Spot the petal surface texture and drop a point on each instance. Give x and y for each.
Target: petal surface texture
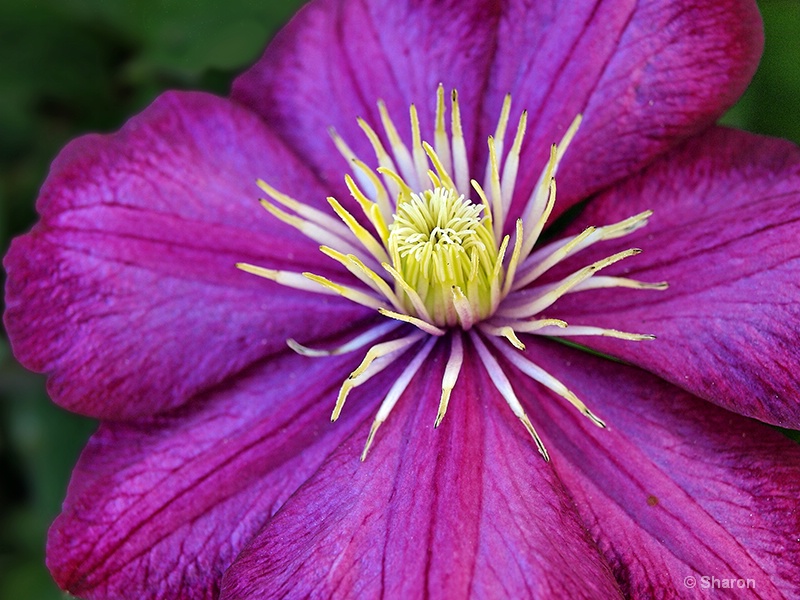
(724, 235)
(216, 472)
(466, 510)
(644, 74)
(674, 487)
(126, 292)
(161, 507)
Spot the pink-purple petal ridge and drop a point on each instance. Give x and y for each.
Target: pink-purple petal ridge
(470, 511)
(217, 438)
(724, 234)
(126, 292)
(160, 507)
(466, 510)
(644, 74)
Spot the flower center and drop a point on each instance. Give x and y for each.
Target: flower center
(434, 262)
(442, 247)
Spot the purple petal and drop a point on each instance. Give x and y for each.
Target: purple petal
(159, 508)
(725, 236)
(126, 291)
(646, 75)
(674, 487)
(466, 510)
(336, 58)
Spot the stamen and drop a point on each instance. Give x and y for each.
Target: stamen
(350, 157)
(535, 265)
(624, 227)
(503, 385)
(383, 349)
(395, 392)
(437, 233)
(460, 162)
(384, 160)
(440, 166)
(532, 270)
(348, 292)
(377, 365)
(401, 153)
(537, 300)
(418, 152)
(353, 264)
(494, 183)
(573, 330)
(363, 236)
(404, 190)
(424, 325)
(437, 183)
(451, 371)
(512, 264)
(538, 197)
(498, 138)
(463, 308)
(440, 141)
(370, 335)
(412, 294)
(495, 289)
(370, 209)
(537, 373)
(305, 211)
(505, 331)
(535, 231)
(484, 199)
(380, 194)
(287, 278)
(568, 136)
(604, 281)
(310, 230)
(534, 325)
(511, 165)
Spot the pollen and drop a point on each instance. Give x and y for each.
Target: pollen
(435, 252)
(443, 248)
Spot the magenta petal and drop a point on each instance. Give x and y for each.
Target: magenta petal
(160, 508)
(644, 74)
(674, 487)
(336, 58)
(725, 236)
(126, 292)
(465, 511)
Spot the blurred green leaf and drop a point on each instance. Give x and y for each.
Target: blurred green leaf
(187, 37)
(771, 104)
(39, 444)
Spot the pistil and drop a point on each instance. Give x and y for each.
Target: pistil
(429, 254)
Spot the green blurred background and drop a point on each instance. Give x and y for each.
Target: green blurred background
(72, 66)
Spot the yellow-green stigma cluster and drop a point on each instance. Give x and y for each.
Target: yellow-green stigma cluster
(444, 248)
(435, 252)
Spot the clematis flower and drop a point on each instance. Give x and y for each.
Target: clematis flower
(435, 308)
